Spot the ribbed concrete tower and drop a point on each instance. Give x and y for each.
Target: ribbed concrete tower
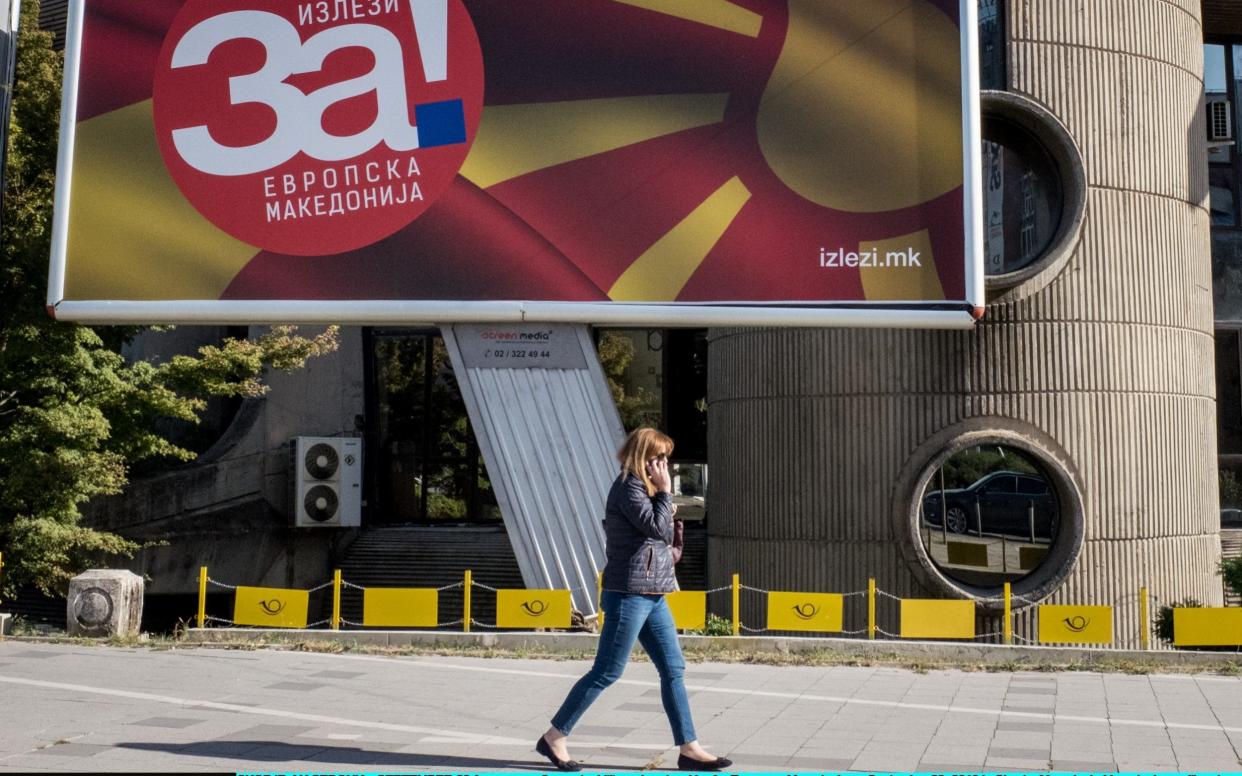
(1102, 364)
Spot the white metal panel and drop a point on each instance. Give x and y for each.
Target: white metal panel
(549, 439)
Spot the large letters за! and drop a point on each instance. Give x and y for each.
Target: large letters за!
(299, 124)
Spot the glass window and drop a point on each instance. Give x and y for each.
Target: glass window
(991, 45)
(989, 515)
(1220, 180)
(1228, 393)
(1215, 88)
(427, 465)
(1022, 196)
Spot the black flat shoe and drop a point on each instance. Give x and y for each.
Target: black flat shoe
(541, 746)
(690, 764)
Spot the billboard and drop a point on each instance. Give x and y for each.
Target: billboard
(700, 162)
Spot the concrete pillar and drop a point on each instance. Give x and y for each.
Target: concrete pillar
(1107, 363)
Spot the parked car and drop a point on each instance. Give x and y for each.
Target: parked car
(1231, 518)
(1004, 500)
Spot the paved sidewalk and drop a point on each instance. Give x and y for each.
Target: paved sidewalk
(78, 708)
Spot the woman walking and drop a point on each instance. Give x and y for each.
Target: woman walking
(638, 526)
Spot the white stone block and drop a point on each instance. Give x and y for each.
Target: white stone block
(105, 602)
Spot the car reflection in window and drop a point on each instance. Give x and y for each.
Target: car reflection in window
(1008, 504)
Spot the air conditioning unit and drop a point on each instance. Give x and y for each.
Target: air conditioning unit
(1219, 120)
(327, 489)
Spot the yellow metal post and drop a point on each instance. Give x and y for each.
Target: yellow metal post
(336, 600)
(202, 595)
(1144, 627)
(737, 615)
(599, 599)
(871, 608)
(1008, 628)
(465, 603)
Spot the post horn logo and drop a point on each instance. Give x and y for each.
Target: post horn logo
(273, 607)
(806, 611)
(1077, 624)
(535, 608)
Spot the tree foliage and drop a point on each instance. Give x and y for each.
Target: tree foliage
(74, 415)
(616, 351)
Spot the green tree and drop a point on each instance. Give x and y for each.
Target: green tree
(74, 416)
(616, 351)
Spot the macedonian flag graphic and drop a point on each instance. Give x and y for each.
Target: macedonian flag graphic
(657, 151)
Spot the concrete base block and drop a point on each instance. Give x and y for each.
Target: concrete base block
(104, 602)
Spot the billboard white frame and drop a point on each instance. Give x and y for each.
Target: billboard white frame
(949, 314)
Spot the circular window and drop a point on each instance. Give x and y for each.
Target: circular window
(989, 501)
(1034, 191)
(988, 515)
(1022, 197)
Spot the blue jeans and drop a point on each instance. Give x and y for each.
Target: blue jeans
(630, 617)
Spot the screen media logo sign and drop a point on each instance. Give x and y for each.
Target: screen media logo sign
(314, 127)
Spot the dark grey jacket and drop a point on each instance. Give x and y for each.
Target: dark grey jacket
(639, 530)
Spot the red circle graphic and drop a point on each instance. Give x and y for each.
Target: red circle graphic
(317, 127)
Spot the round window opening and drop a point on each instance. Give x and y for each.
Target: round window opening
(989, 515)
(1023, 197)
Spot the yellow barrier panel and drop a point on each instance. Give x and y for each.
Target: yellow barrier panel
(1075, 624)
(1207, 627)
(806, 611)
(532, 608)
(401, 607)
(968, 554)
(689, 608)
(270, 607)
(933, 618)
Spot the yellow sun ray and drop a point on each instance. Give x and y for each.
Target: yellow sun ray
(514, 140)
(913, 277)
(664, 269)
(132, 234)
(714, 13)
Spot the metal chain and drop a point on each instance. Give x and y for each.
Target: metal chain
(317, 623)
(751, 630)
(753, 589)
(455, 584)
(480, 584)
(219, 619)
(347, 583)
(856, 592)
(880, 592)
(854, 632)
(221, 584)
(718, 589)
(458, 621)
(352, 623)
(989, 635)
(317, 588)
(1025, 640)
(878, 629)
(482, 624)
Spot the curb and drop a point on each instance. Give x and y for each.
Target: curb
(579, 643)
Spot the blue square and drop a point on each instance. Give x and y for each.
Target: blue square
(440, 123)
